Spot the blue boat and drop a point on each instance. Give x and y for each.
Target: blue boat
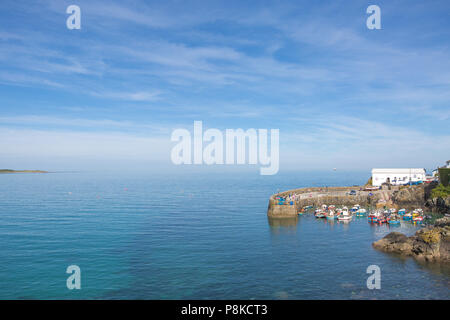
(394, 219)
(361, 213)
(407, 217)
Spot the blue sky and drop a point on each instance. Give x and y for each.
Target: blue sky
(110, 94)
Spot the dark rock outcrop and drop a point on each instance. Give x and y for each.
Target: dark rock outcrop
(395, 242)
(413, 196)
(431, 244)
(439, 205)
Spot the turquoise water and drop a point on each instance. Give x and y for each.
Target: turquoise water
(204, 236)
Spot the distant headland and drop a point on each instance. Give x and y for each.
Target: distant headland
(21, 171)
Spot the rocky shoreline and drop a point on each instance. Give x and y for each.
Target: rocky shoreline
(430, 244)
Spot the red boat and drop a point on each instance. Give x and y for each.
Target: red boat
(382, 219)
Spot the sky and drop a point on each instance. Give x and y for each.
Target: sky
(110, 94)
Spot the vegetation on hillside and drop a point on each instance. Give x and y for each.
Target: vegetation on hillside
(440, 192)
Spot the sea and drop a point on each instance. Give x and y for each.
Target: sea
(193, 235)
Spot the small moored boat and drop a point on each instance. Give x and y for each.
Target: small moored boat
(394, 219)
(331, 215)
(344, 215)
(361, 212)
(407, 216)
(319, 213)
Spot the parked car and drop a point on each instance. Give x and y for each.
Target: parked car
(352, 193)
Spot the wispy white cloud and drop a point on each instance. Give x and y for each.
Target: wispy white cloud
(71, 123)
(131, 96)
(309, 69)
(73, 146)
(351, 142)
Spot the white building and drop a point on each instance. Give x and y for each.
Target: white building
(397, 176)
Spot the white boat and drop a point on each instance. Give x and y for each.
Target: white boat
(344, 215)
(320, 213)
(361, 212)
(331, 215)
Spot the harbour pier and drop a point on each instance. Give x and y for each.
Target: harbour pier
(287, 204)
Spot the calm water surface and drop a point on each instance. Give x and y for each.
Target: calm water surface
(204, 236)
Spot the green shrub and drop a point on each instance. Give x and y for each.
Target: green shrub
(440, 191)
(444, 176)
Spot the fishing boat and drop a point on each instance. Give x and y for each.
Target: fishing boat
(319, 213)
(407, 216)
(331, 215)
(373, 216)
(355, 208)
(417, 216)
(394, 219)
(401, 212)
(371, 188)
(361, 212)
(382, 218)
(344, 215)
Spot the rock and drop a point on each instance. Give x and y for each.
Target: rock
(395, 242)
(426, 244)
(429, 244)
(409, 196)
(429, 236)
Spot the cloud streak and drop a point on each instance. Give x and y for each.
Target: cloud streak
(310, 69)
